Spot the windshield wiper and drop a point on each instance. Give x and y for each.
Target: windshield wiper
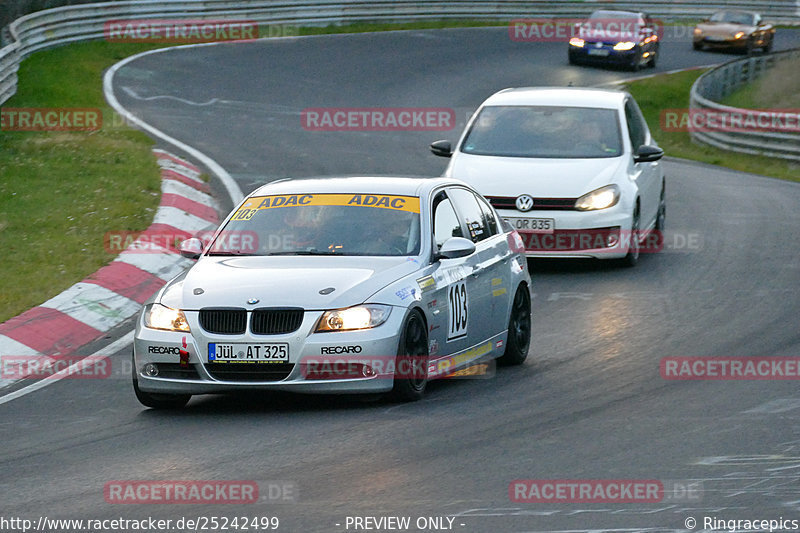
(229, 252)
(313, 251)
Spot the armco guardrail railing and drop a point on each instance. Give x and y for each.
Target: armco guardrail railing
(83, 22)
(749, 133)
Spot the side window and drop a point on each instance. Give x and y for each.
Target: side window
(445, 221)
(637, 128)
(489, 218)
(471, 213)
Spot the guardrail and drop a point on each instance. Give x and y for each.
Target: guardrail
(724, 79)
(62, 25)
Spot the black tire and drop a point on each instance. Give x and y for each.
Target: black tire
(157, 400)
(519, 329)
(653, 59)
(632, 257)
(697, 46)
(750, 47)
(572, 59)
(661, 217)
(412, 354)
(636, 64)
(768, 46)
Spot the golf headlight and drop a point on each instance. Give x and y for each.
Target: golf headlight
(624, 45)
(738, 35)
(576, 41)
(601, 198)
(359, 317)
(157, 316)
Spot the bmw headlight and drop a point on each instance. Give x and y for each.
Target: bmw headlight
(358, 317)
(738, 35)
(602, 198)
(624, 45)
(157, 316)
(576, 41)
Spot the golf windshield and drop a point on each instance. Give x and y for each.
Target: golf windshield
(544, 131)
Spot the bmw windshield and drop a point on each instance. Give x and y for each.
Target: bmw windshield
(544, 131)
(322, 224)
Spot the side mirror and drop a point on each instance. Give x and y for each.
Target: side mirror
(442, 148)
(647, 154)
(192, 248)
(456, 247)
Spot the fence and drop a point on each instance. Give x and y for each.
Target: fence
(721, 81)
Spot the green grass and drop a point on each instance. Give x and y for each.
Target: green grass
(361, 27)
(778, 88)
(60, 192)
(671, 91)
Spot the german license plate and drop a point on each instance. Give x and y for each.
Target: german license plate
(598, 52)
(275, 352)
(536, 225)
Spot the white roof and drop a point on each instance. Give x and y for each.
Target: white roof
(558, 96)
(399, 185)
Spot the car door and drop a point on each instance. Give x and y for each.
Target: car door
(646, 175)
(485, 276)
(449, 304)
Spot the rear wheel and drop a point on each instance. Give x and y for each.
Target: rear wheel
(411, 369)
(519, 329)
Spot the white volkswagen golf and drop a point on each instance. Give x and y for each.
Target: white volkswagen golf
(575, 171)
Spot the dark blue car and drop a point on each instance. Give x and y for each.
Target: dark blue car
(621, 38)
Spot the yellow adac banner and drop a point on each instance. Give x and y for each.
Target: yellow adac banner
(382, 201)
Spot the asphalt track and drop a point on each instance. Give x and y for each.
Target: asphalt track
(588, 404)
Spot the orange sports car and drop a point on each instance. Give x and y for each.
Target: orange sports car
(739, 30)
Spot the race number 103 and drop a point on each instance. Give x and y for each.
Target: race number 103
(457, 304)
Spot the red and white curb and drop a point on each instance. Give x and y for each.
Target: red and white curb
(116, 292)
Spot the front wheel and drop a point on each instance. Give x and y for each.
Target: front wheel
(159, 400)
(632, 257)
(519, 329)
(411, 369)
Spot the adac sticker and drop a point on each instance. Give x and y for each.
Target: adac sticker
(427, 283)
(381, 201)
